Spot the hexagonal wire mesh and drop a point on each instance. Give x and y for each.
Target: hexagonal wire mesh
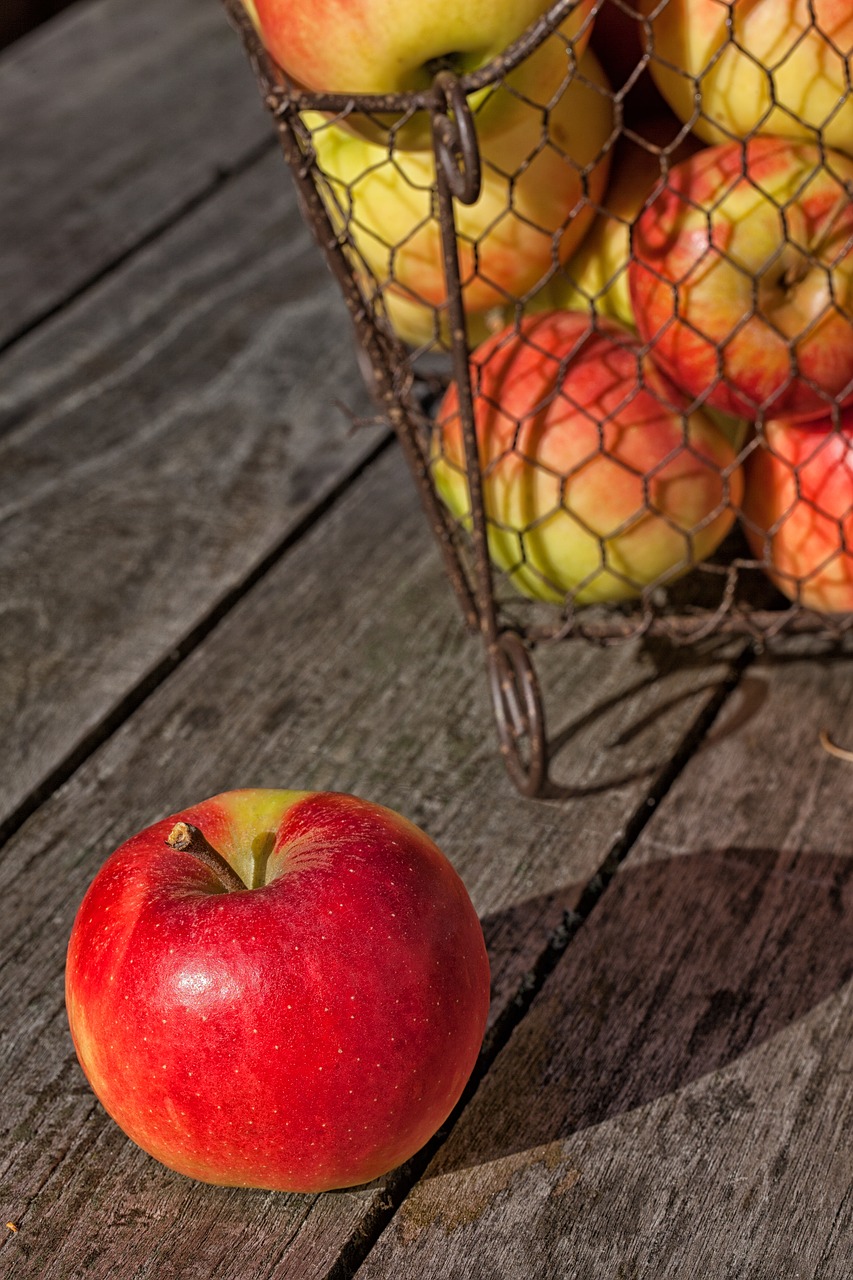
(602, 289)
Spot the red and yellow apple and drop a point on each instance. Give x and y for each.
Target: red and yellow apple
(382, 47)
(597, 275)
(278, 989)
(594, 483)
(742, 278)
(541, 171)
(756, 66)
(798, 509)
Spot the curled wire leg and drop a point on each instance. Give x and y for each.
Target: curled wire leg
(517, 704)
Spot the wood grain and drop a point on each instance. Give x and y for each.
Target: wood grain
(345, 667)
(116, 118)
(207, 580)
(677, 1102)
(162, 437)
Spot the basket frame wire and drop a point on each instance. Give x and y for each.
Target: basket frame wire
(386, 366)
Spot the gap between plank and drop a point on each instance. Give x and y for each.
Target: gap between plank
(222, 177)
(356, 1250)
(148, 683)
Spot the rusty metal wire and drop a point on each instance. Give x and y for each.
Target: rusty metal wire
(536, 255)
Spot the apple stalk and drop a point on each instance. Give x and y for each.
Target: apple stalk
(188, 839)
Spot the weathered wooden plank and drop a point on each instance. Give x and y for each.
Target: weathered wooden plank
(163, 436)
(345, 667)
(677, 1102)
(115, 117)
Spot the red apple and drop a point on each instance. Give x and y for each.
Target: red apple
(382, 46)
(798, 510)
(301, 1016)
(594, 483)
(742, 278)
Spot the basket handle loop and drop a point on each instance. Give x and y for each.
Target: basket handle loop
(455, 138)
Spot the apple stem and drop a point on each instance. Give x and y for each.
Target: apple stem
(189, 839)
(841, 753)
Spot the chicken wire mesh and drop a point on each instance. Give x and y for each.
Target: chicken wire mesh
(601, 285)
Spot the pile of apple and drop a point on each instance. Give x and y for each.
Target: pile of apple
(656, 275)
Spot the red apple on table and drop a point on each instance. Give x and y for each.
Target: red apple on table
(769, 66)
(382, 46)
(798, 510)
(543, 167)
(300, 1017)
(594, 484)
(742, 278)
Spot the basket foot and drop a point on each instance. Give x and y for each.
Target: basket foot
(517, 704)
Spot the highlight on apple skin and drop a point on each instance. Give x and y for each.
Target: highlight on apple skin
(594, 482)
(310, 1028)
(798, 509)
(742, 278)
(543, 168)
(777, 67)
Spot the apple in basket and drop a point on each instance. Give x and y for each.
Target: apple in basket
(278, 989)
(597, 275)
(542, 170)
(798, 509)
(595, 484)
(383, 46)
(742, 278)
(767, 66)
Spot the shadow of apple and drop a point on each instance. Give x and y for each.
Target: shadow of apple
(685, 965)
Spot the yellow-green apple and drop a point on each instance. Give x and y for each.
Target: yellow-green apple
(594, 483)
(597, 275)
(756, 66)
(382, 47)
(278, 989)
(798, 509)
(742, 278)
(542, 169)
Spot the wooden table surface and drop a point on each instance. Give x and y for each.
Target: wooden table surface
(208, 579)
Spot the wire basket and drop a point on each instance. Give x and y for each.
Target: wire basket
(602, 290)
